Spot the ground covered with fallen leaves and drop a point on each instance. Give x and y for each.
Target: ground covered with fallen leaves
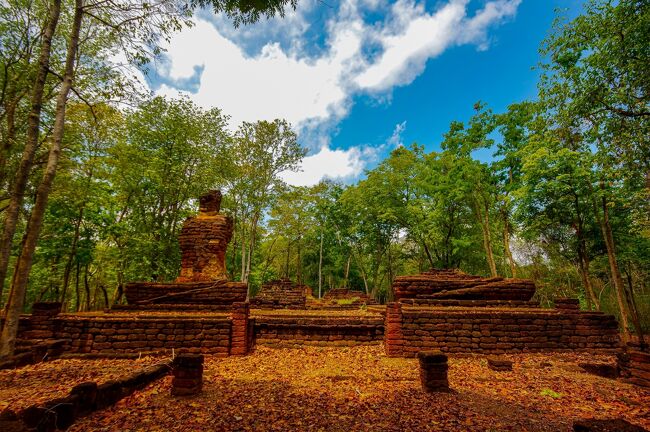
(360, 389)
(41, 382)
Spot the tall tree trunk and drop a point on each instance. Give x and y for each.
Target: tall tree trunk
(484, 220)
(73, 253)
(428, 253)
(77, 305)
(251, 248)
(23, 266)
(31, 143)
(320, 267)
(506, 242)
(617, 279)
(243, 255)
(87, 288)
(105, 293)
(299, 264)
(347, 272)
(632, 305)
(286, 261)
(583, 268)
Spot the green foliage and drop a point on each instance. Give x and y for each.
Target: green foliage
(129, 177)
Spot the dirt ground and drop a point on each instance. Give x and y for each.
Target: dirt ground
(33, 384)
(360, 389)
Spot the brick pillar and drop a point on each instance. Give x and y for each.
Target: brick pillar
(433, 371)
(393, 337)
(41, 321)
(188, 374)
(239, 329)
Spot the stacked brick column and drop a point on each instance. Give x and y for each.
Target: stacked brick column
(188, 375)
(394, 338)
(433, 371)
(239, 332)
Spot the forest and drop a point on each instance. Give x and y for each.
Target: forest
(97, 176)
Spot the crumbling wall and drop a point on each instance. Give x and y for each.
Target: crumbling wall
(496, 331)
(280, 294)
(288, 331)
(454, 284)
(213, 293)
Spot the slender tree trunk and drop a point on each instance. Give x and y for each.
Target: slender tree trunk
(583, 267)
(77, 305)
(347, 272)
(286, 261)
(23, 266)
(484, 219)
(632, 305)
(617, 280)
(299, 270)
(320, 267)
(251, 248)
(506, 243)
(87, 288)
(105, 293)
(428, 253)
(119, 291)
(243, 257)
(73, 253)
(31, 143)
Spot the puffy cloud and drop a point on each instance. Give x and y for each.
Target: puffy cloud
(274, 84)
(314, 88)
(341, 165)
(327, 163)
(291, 84)
(414, 36)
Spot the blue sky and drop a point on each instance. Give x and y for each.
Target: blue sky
(359, 77)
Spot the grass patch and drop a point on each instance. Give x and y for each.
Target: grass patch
(550, 393)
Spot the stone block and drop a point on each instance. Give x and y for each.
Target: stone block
(499, 364)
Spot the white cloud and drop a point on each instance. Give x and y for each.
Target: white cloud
(314, 91)
(414, 36)
(395, 140)
(274, 84)
(327, 163)
(341, 165)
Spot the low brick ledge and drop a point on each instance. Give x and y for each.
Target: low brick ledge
(83, 399)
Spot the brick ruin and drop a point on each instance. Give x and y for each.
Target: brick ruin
(203, 278)
(439, 287)
(200, 312)
(326, 329)
(450, 311)
(344, 296)
(203, 312)
(280, 294)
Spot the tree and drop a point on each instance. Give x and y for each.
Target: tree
(135, 24)
(260, 152)
(172, 153)
(596, 84)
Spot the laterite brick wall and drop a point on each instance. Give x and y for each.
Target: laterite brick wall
(223, 294)
(315, 330)
(127, 334)
(494, 331)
